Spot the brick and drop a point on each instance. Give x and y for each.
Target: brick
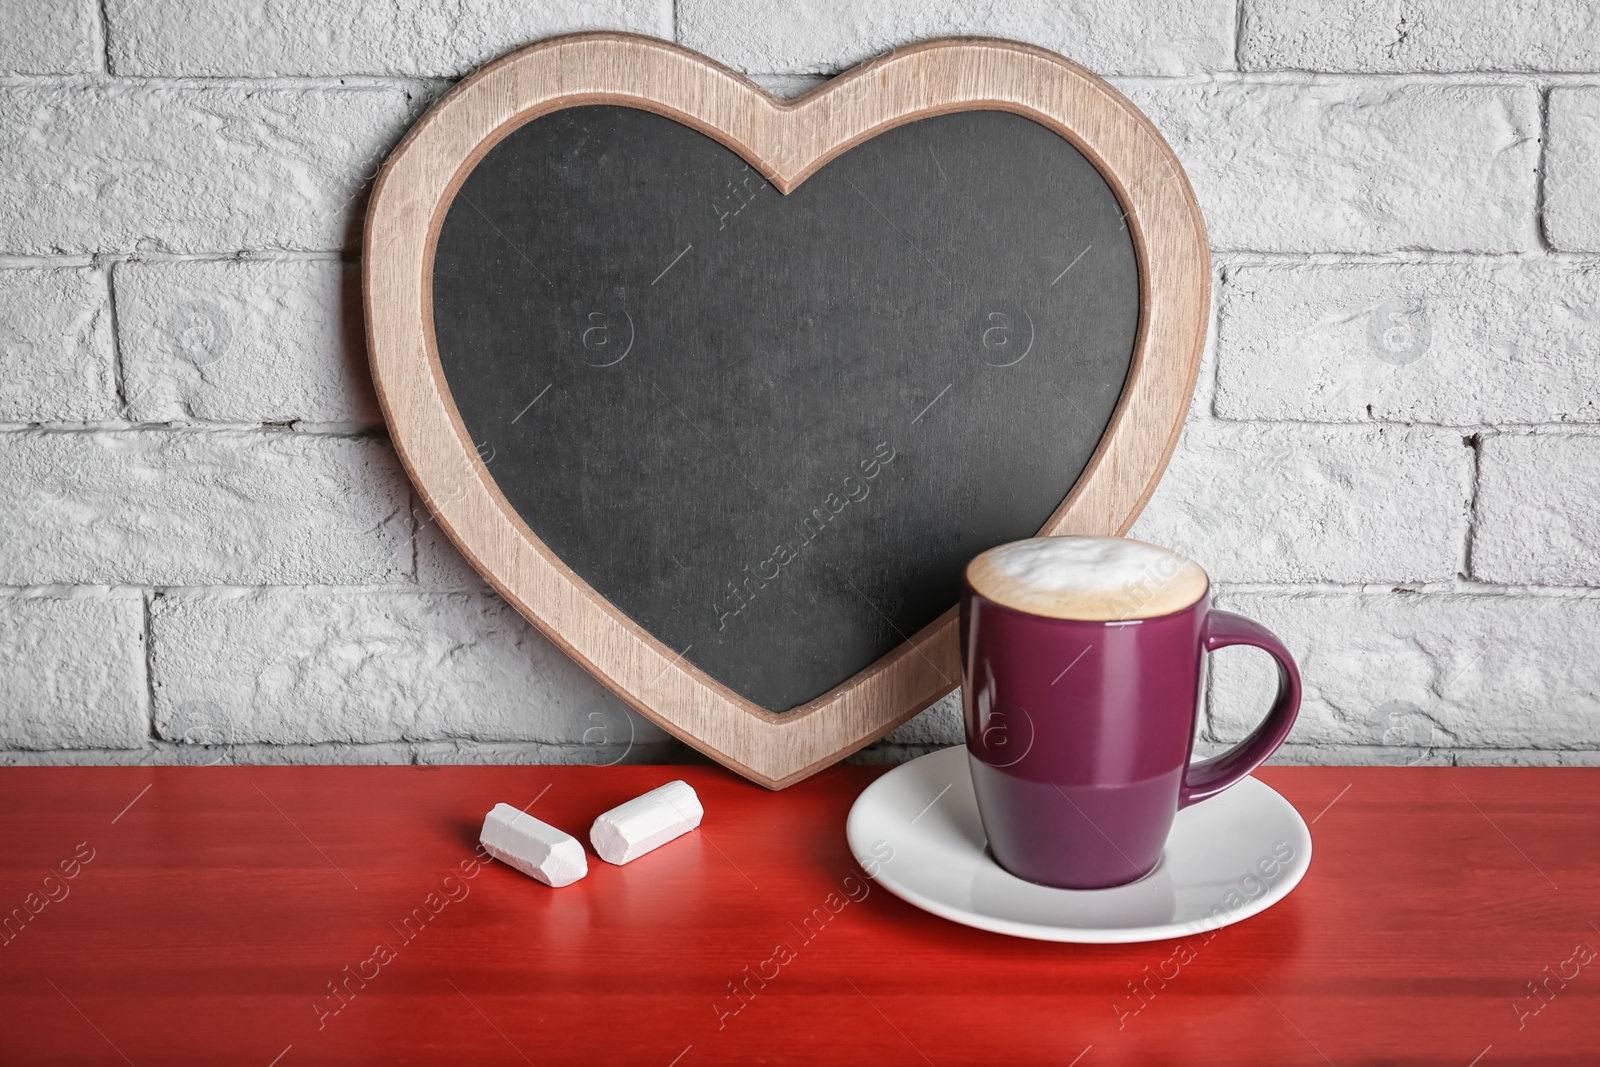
(55, 347)
(939, 726)
(878, 754)
(118, 168)
(1527, 757)
(664, 749)
(1297, 755)
(198, 752)
(50, 37)
(1430, 35)
(440, 565)
(826, 36)
(1503, 341)
(1355, 166)
(1538, 511)
(191, 508)
(74, 673)
(1421, 671)
(243, 341)
(320, 37)
(1572, 170)
(293, 667)
(788, 86)
(1291, 503)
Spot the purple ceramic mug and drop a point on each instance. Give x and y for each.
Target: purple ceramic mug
(1081, 672)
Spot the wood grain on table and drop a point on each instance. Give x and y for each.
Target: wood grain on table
(249, 915)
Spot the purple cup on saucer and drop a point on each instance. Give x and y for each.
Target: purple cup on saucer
(1082, 660)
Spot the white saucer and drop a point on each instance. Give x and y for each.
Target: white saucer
(916, 830)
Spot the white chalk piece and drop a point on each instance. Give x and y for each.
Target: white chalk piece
(645, 823)
(535, 848)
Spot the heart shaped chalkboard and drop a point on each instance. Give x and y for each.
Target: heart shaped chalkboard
(771, 430)
(723, 393)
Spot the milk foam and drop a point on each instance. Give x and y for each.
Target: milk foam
(1090, 578)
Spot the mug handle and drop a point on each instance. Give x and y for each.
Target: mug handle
(1209, 777)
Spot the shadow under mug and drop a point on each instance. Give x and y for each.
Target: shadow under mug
(1079, 733)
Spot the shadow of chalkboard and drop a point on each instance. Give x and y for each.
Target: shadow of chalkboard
(772, 429)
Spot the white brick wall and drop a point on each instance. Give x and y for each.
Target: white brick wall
(1433, 342)
(74, 672)
(1572, 171)
(1430, 35)
(174, 508)
(207, 550)
(116, 167)
(1298, 502)
(55, 346)
(826, 36)
(1418, 671)
(297, 37)
(1356, 165)
(62, 36)
(282, 667)
(243, 341)
(1538, 510)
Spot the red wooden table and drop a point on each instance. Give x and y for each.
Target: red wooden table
(241, 915)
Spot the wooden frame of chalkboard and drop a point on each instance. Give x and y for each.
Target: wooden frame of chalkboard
(787, 141)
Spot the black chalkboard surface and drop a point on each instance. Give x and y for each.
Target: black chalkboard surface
(772, 429)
